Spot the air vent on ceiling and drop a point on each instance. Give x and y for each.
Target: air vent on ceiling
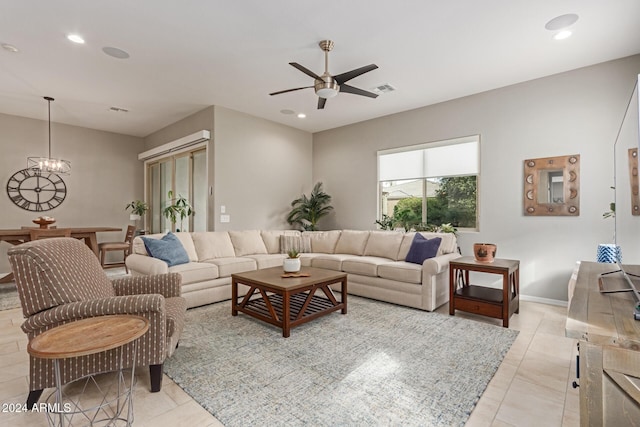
(383, 88)
(119, 110)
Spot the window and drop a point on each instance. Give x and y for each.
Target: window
(425, 186)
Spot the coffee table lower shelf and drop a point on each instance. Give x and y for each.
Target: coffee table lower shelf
(317, 307)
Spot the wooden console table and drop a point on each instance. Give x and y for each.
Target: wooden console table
(609, 345)
(496, 303)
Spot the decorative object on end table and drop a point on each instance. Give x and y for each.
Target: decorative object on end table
(308, 210)
(292, 263)
(484, 252)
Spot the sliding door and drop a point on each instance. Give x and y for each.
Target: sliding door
(185, 175)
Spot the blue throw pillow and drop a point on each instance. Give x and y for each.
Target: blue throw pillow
(168, 249)
(422, 248)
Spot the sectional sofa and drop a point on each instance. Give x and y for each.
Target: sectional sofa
(374, 261)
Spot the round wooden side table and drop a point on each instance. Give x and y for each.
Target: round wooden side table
(85, 337)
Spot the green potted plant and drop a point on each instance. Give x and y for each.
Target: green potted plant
(308, 210)
(386, 223)
(292, 263)
(138, 208)
(179, 207)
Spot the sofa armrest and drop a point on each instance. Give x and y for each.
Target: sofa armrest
(146, 265)
(167, 285)
(151, 305)
(438, 264)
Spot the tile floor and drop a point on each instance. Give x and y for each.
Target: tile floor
(531, 387)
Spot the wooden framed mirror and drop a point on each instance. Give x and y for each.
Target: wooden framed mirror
(552, 186)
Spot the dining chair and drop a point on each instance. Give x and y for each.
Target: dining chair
(45, 233)
(125, 246)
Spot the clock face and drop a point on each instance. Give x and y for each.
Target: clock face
(36, 191)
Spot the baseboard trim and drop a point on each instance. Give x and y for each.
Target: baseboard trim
(544, 300)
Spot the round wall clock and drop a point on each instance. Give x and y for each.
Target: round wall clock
(36, 191)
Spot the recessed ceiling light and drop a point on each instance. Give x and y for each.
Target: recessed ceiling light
(561, 22)
(10, 48)
(115, 52)
(301, 115)
(118, 109)
(75, 38)
(287, 111)
(561, 35)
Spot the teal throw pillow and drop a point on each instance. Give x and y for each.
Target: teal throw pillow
(422, 248)
(168, 249)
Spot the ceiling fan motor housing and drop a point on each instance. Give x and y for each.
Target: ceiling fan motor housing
(326, 86)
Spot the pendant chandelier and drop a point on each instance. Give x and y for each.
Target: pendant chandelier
(49, 164)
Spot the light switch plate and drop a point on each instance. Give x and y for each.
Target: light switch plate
(225, 218)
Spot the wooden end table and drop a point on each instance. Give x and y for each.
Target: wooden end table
(82, 338)
(288, 302)
(496, 303)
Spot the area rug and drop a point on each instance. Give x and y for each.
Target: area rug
(380, 364)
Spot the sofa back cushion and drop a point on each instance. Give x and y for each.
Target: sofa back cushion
(184, 237)
(352, 242)
(300, 243)
(273, 239)
(385, 244)
(447, 245)
(213, 244)
(248, 242)
(323, 241)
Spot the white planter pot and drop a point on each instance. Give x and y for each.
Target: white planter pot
(291, 265)
(134, 217)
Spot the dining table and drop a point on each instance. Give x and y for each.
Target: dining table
(16, 236)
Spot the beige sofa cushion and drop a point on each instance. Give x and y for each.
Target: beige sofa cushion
(401, 271)
(364, 265)
(194, 272)
(323, 241)
(384, 244)
(273, 239)
(352, 242)
(213, 244)
(229, 266)
(268, 260)
(447, 246)
(247, 242)
(185, 239)
(329, 261)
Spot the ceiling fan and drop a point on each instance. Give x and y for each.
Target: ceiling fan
(328, 86)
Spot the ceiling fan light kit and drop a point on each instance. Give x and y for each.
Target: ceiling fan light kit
(327, 86)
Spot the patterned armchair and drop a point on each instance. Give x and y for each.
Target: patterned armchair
(60, 280)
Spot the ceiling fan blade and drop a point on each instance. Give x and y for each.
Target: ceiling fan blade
(345, 77)
(304, 70)
(321, 102)
(290, 90)
(356, 91)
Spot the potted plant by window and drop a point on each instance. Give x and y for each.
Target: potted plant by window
(138, 209)
(292, 263)
(308, 210)
(179, 207)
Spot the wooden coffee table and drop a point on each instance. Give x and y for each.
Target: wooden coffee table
(288, 302)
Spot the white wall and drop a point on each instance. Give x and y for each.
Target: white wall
(577, 112)
(260, 167)
(105, 175)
